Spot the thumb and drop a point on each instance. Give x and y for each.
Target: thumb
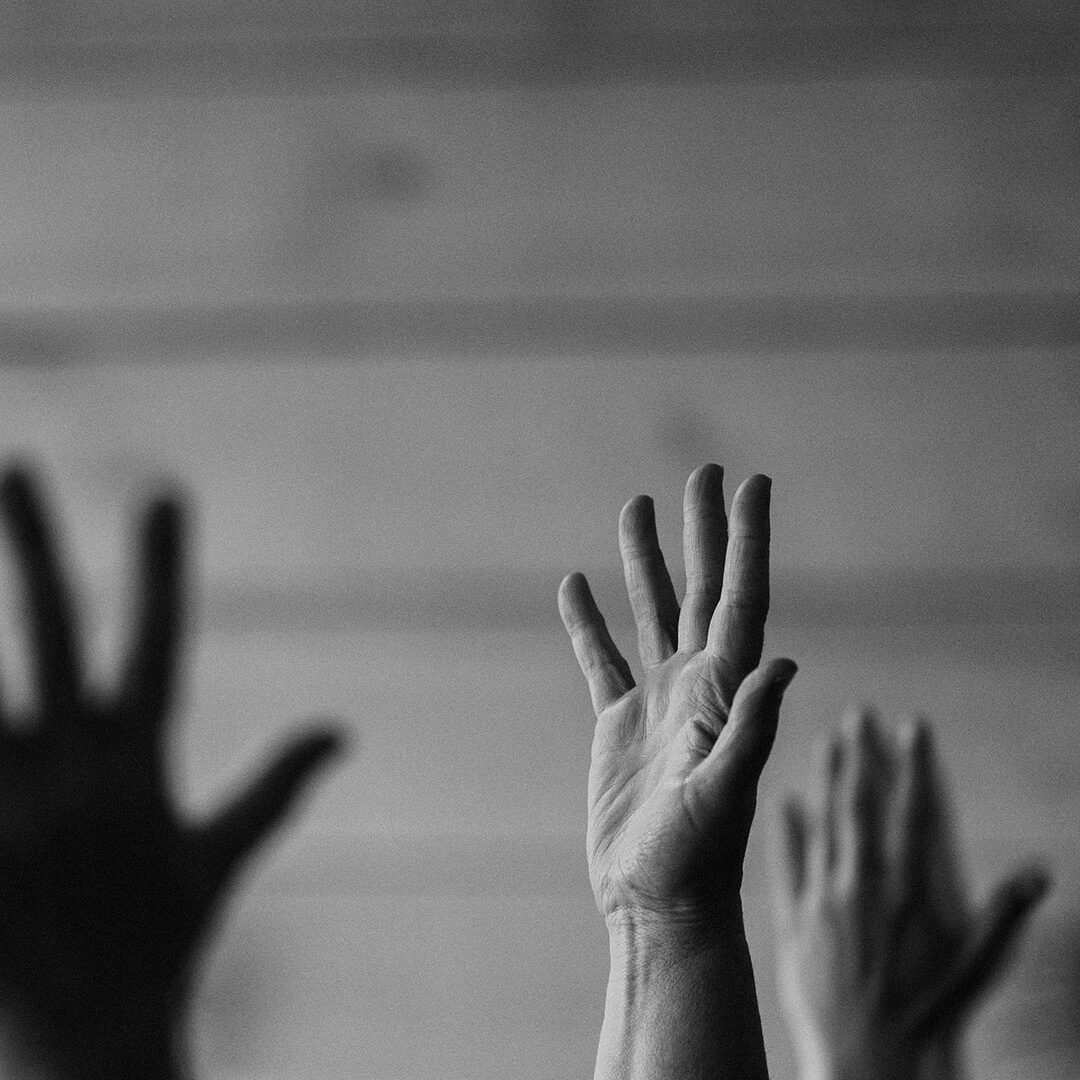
(997, 929)
(243, 823)
(736, 759)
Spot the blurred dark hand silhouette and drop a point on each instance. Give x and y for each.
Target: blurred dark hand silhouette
(105, 892)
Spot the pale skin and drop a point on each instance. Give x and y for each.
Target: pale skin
(882, 953)
(673, 779)
(106, 891)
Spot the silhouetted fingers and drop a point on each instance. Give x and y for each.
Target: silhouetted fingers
(52, 630)
(153, 660)
(916, 816)
(793, 850)
(603, 666)
(648, 584)
(737, 628)
(705, 537)
(249, 818)
(864, 797)
(997, 929)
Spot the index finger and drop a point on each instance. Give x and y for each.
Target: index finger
(737, 628)
(603, 666)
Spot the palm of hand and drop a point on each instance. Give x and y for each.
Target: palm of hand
(101, 896)
(651, 834)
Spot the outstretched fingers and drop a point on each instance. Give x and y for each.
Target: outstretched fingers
(603, 666)
(237, 829)
(52, 626)
(648, 584)
(705, 537)
(151, 669)
(736, 631)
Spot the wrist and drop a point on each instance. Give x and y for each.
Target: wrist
(680, 999)
(655, 955)
(659, 938)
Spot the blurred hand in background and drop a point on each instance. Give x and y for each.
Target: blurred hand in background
(105, 893)
(882, 954)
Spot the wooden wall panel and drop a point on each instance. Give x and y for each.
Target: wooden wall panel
(406, 988)
(867, 189)
(205, 19)
(202, 49)
(437, 474)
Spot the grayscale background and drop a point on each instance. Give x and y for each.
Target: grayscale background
(411, 297)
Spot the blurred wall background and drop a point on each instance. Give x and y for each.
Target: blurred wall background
(411, 298)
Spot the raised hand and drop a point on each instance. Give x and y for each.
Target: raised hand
(673, 780)
(882, 955)
(105, 893)
(676, 757)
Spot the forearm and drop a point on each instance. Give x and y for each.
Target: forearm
(681, 1003)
